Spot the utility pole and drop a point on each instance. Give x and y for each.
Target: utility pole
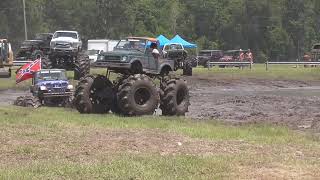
(25, 20)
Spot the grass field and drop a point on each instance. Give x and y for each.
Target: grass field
(53, 143)
(57, 143)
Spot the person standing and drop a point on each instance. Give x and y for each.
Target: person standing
(5, 50)
(250, 55)
(155, 53)
(241, 57)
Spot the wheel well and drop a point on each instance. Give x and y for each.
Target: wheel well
(136, 67)
(136, 63)
(165, 68)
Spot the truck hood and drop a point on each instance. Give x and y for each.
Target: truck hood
(123, 53)
(54, 83)
(64, 39)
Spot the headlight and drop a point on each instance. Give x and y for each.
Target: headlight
(43, 88)
(124, 58)
(70, 86)
(74, 45)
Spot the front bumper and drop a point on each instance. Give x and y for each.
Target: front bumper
(113, 65)
(63, 94)
(64, 50)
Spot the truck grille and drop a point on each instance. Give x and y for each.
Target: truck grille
(112, 58)
(63, 45)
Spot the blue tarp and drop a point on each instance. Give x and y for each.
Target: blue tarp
(178, 39)
(163, 40)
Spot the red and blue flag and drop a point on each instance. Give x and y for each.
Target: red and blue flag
(27, 71)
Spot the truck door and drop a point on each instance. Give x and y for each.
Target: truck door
(151, 60)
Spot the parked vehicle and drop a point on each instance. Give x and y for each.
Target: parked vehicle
(66, 53)
(206, 56)
(30, 49)
(176, 52)
(233, 56)
(96, 46)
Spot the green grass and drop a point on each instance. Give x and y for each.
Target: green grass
(52, 143)
(258, 71)
(58, 117)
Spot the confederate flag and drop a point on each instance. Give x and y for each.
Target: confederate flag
(27, 71)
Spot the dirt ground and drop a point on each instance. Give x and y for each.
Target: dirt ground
(238, 101)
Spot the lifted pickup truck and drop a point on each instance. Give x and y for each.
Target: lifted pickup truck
(49, 87)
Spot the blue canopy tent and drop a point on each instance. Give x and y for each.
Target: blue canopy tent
(163, 40)
(185, 44)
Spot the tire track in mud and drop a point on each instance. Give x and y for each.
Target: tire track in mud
(290, 103)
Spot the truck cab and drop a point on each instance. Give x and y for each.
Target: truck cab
(133, 55)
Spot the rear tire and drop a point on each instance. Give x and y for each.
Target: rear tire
(174, 97)
(94, 95)
(187, 68)
(137, 95)
(19, 101)
(81, 66)
(37, 54)
(31, 101)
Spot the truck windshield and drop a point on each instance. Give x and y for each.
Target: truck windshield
(50, 76)
(92, 52)
(65, 34)
(132, 44)
(173, 47)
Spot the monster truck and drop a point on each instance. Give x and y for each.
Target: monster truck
(65, 53)
(32, 49)
(206, 56)
(49, 87)
(176, 52)
(134, 92)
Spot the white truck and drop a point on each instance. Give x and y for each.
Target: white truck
(96, 46)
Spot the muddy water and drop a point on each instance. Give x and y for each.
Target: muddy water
(290, 103)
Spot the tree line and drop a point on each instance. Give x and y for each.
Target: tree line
(272, 29)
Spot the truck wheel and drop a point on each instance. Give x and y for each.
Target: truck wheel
(94, 95)
(19, 101)
(37, 54)
(137, 95)
(81, 66)
(187, 68)
(174, 97)
(31, 101)
(45, 63)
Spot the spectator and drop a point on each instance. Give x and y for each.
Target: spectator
(250, 56)
(241, 57)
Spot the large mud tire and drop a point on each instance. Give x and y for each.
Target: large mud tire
(175, 99)
(27, 101)
(94, 95)
(137, 95)
(187, 68)
(81, 66)
(20, 101)
(37, 54)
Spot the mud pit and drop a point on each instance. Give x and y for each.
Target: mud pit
(7, 97)
(241, 101)
(291, 103)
